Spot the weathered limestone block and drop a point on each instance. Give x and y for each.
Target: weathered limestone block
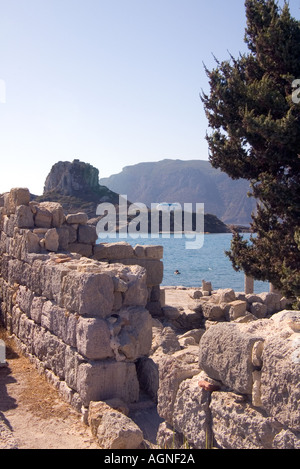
(49, 215)
(16, 271)
(52, 240)
(136, 293)
(63, 238)
(43, 217)
(173, 369)
(154, 252)
(104, 380)
(9, 223)
(287, 439)
(58, 321)
(113, 251)
(225, 354)
(36, 308)
(17, 196)
(24, 299)
(259, 310)
(135, 337)
(73, 360)
(85, 250)
(31, 243)
(35, 280)
(50, 350)
(26, 329)
(88, 294)
(52, 275)
(168, 438)
(87, 234)
(280, 375)
(80, 218)
(213, 312)
(225, 295)
(191, 412)
(272, 301)
(238, 425)
(237, 309)
(139, 250)
(24, 217)
(154, 269)
(113, 429)
(93, 339)
(72, 230)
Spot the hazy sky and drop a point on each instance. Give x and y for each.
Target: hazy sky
(110, 82)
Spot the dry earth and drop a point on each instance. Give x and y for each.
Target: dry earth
(32, 414)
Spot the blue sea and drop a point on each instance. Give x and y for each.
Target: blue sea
(207, 263)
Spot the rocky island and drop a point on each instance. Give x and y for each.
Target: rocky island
(75, 185)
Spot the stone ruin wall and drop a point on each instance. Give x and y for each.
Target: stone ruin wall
(77, 310)
(80, 311)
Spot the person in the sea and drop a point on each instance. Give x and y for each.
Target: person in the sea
(177, 272)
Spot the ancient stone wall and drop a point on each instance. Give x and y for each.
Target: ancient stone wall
(234, 383)
(83, 321)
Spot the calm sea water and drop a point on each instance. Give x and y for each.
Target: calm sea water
(208, 263)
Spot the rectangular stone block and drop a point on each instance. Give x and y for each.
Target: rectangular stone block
(88, 294)
(154, 252)
(99, 381)
(113, 251)
(53, 275)
(50, 350)
(17, 196)
(87, 234)
(93, 339)
(154, 269)
(24, 217)
(24, 299)
(85, 250)
(225, 354)
(237, 308)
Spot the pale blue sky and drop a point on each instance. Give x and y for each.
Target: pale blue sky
(111, 82)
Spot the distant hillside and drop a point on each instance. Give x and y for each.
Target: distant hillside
(185, 182)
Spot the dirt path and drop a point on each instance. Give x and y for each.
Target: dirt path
(32, 414)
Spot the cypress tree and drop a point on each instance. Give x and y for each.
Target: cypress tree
(253, 111)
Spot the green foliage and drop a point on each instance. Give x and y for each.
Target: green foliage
(256, 135)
